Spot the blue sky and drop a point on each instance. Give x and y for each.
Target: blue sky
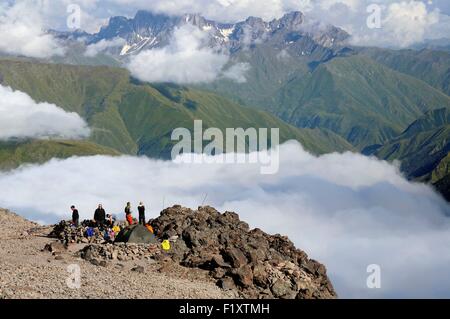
(443, 5)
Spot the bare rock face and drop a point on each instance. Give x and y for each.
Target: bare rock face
(257, 264)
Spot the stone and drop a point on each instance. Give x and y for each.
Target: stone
(139, 269)
(282, 289)
(235, 256)
(95, 262)
(226, 283)
(256, 255)
(114, 254)
(191, 237)
(54, 247)
(260, 276)
(218, 273)
(244, 276)
(217, 261)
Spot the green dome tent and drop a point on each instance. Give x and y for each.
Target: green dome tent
(136, 234)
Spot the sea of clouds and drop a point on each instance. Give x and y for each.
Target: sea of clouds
(346, 210)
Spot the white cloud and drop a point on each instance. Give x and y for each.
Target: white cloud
(329, 4)
(22, 32)
(93, 49)
(220, 10)
(237, 72)
(345, 210)
(21, 117)
(407, 22)
(402, 24)
(184, 60)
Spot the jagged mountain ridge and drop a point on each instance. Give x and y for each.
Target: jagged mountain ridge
(149, 30)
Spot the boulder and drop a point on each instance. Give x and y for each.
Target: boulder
(283, 289)
(260, 276)
(235, 257)
(243, 276)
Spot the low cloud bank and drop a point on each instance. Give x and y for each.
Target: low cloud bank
(345, 210)
(22, 117)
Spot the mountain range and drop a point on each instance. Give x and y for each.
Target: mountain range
(302, 76)
(130, 117)
(148, 30)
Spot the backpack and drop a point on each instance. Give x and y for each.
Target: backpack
(112, 235)
(116, 229)
(90, 232)
(165, 245)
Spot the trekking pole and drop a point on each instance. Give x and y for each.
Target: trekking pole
(204, 199)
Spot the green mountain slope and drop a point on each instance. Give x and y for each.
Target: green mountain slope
(14, 154)
(357, 98)
(442, 170)
(151, 119)
(422, 147)
(441, 177)
(137, 118)
(268, 70)
(430, 66)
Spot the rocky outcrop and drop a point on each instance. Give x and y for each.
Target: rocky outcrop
(256, 264)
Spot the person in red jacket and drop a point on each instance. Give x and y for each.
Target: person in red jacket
(128, 215)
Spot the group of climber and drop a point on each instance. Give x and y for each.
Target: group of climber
(103, 220)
